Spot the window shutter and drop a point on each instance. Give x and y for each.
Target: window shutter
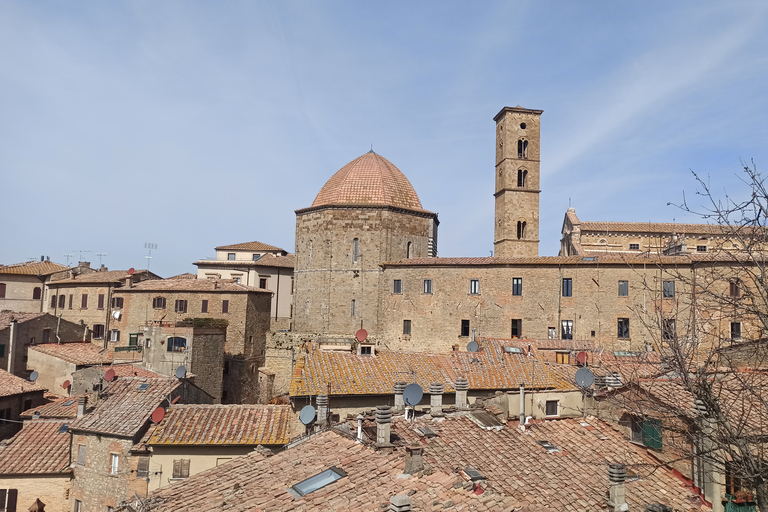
(13, 496)
(177, 468)
(184, 468)
(652, 433)
(142, 469)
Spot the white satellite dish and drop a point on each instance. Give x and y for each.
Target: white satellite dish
(307, 414)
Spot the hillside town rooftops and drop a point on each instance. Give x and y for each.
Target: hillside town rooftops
(77, 353)
(33, 268)
(12, 385)
(40, 447)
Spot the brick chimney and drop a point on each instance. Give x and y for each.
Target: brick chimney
(399, 402)
(617, 492)
(461, 386)
(436, 391)
(383, 426)
(400, 503)
(414, 459)
(81, 403)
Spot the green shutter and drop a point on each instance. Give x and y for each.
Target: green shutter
(652, 433)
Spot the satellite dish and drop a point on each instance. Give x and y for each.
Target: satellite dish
(110, 375)
(66, 384)
(584, 377)
(361, 335)
(412, 394)
(181, 372)
(131, 271)
(472, 346)
(158, 415)
(116, 315)
(33, 376)
(307, 414)
(582, 357)
(175, 400)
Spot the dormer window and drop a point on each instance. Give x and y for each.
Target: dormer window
(231, 256)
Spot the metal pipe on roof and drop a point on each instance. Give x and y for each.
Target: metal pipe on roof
(522, 403)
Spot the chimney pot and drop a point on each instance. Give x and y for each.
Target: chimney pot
(400, 503)
(617, 493)
(81, 403)
(322, 410)
(399, 402)
(383, 425)
(436, 390)
(461, 386)
(414, 459)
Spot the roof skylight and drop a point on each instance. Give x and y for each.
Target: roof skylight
(68, 403)
(145, 386)
(316, 482)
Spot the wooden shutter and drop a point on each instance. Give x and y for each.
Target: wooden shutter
(177, 468)
(184, 468)
(101, 301)
(652, 433)
(13, 496)
(84, 303)
(142, 468)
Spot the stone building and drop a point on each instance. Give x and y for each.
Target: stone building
(22, 285)
(16, 395)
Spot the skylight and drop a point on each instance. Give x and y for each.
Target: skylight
(548, 446)
(513, 350)
(474, 474)
(624, 353)
(68, 403)
(145, 386)
(425, 432)
(63, 429)
(316, 482)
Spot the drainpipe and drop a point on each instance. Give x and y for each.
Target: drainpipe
(522, 403)
(58, 323)
(360, 418)
(11, 344)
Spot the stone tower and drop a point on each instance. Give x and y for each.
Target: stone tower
(516, 232)
(366, 214)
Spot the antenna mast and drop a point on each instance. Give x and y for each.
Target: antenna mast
(149, 246)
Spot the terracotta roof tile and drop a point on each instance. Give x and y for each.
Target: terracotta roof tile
(249, 246)
(76, 353)
(661, 228)
(33, 268)
(223, 425)
(369, 180)
(268, 260)
(58, 408)
(104, 276)
(6, 317)
(190, 285)
(13, 385)
(38, 448)
(186, 275)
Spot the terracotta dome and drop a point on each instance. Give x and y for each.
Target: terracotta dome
(369, 180)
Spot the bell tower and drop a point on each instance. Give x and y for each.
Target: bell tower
(516, 232)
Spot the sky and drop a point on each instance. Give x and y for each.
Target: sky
(192, 124)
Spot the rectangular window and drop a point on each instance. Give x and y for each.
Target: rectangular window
(551, 407)
(355, 250)
(114, 462)
(181, 468)
(62, 299)
(316, 482)
(397, 286)
(366, 350)
(100, 301)
(567, 330)
(81, 455)
(701, 248)
(263, 283)
(117, 302)
(427, 286)
(465, 328)
(225, 306)
(652, 433)
(2, 290)
(668, 331)
(563, 357)
(98, 331)
(517, 327)
(53, 302)
(517, 286)
(567, 287)
(204, 307)
(158, 303)
(176, 344)
(623, 288)
(2, 350)
(114, 335)
(71, 297)
(181, 306)
(36, 293)
(474, 286)
(231, 256)
(407, 327)
(735, 290)
(353, 308)
(634, 247)
(623, 328)
(552, 333)
(256, 257)
(669, 289)
(133, 340)
(735, 330)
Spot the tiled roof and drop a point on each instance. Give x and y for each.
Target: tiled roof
(575, 478)
(186, 275)
(249, 246)
(33, 268)
(255, 483)
(190, 285)
(349, 374)
(13, 385)
(38, 448)
(268, 260)
(369, 180)
(124, 408)
(661, 228)
(104, 276)
(76, 353)
(130, 370)
(590, 259)
(60, 407)
(223, 425)
(573, 345)
(6, 317)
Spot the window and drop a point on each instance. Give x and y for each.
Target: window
(8, 499)
(355, 250)
(551, 407)
(62, 301)
(53, 302)
(256, 257)
(397, 286)
(316, 482)
(101, 301)
(552, 333)
(71, 297)
(517, 327)
(701, 248)
(668, 331)
(563, 357)
(204, 307)
(567, 287)
(114, 335)
(46, 335)
(522, 177)
(262, 282)
(623, 328)
(117, 302)
(353, 308)
(181, 468)
(2, 290)
(181, 306)
(81, 455)
(366, 350)
(648, 431)
(520, 229)
(37, 293)
(225, 306)
(231, 256)
(2, 350)
(158, 303)
(176, 344)
(133, 340)
(735, 330)
(567, 330)
(407, 327)
(98, 331)
(465, 328)
(78, 506)
(427, 286)
(474, 287)
(623, 288)
(408, 250)
(669, 289)
(517, 286)
(522, 148)
(634, 247)
(735, 289)
(114, 462)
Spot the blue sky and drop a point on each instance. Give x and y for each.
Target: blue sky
(196, 124)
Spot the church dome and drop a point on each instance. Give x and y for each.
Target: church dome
(369, 180)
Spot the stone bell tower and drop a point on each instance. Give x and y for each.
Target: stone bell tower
(516, 232)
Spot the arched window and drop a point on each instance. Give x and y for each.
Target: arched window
(522, 148)
(520, 229)
(355, 250)
(408, 250)
(522, 177)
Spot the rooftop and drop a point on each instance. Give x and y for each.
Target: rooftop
(268, 260)
(223, 425)
(6, 317)
(105, 276)
(76, 353)
(40, 447)
(33, 268)
(13, 385)
(190, 285)
(58, 408)
(250, 246)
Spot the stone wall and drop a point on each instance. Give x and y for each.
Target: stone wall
(38, 330)
(20, 292)
(53, 490)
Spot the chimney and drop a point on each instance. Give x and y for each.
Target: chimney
(81, 403)
(461, 386)
(617, 493)
(436, 391)
(360, 419)
(129, 282)
(400, 503)
(399, 402)
(522, 404)
(705, 477)
(414, 459)
(383, 426)
(42, 258)
(322, 410)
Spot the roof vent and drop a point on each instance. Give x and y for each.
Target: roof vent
(548, 446)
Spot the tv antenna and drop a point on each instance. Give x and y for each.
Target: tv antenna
(149, 246)
(80, 253)
(101, 255)
(68, 256)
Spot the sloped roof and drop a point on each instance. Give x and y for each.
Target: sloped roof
(38, 448)
(58, 408)
(660, 228)
(32, 268)
(76, 353)
(190, 285)
(6, 317)
(13, 385)
(268, 260)
(104, 276)
(249, 246)
(223, 425)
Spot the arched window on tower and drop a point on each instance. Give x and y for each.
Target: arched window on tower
(309, 253)
(522, 178)
(520, 229)
(353, 308)
(408, 250)
(522, 148)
